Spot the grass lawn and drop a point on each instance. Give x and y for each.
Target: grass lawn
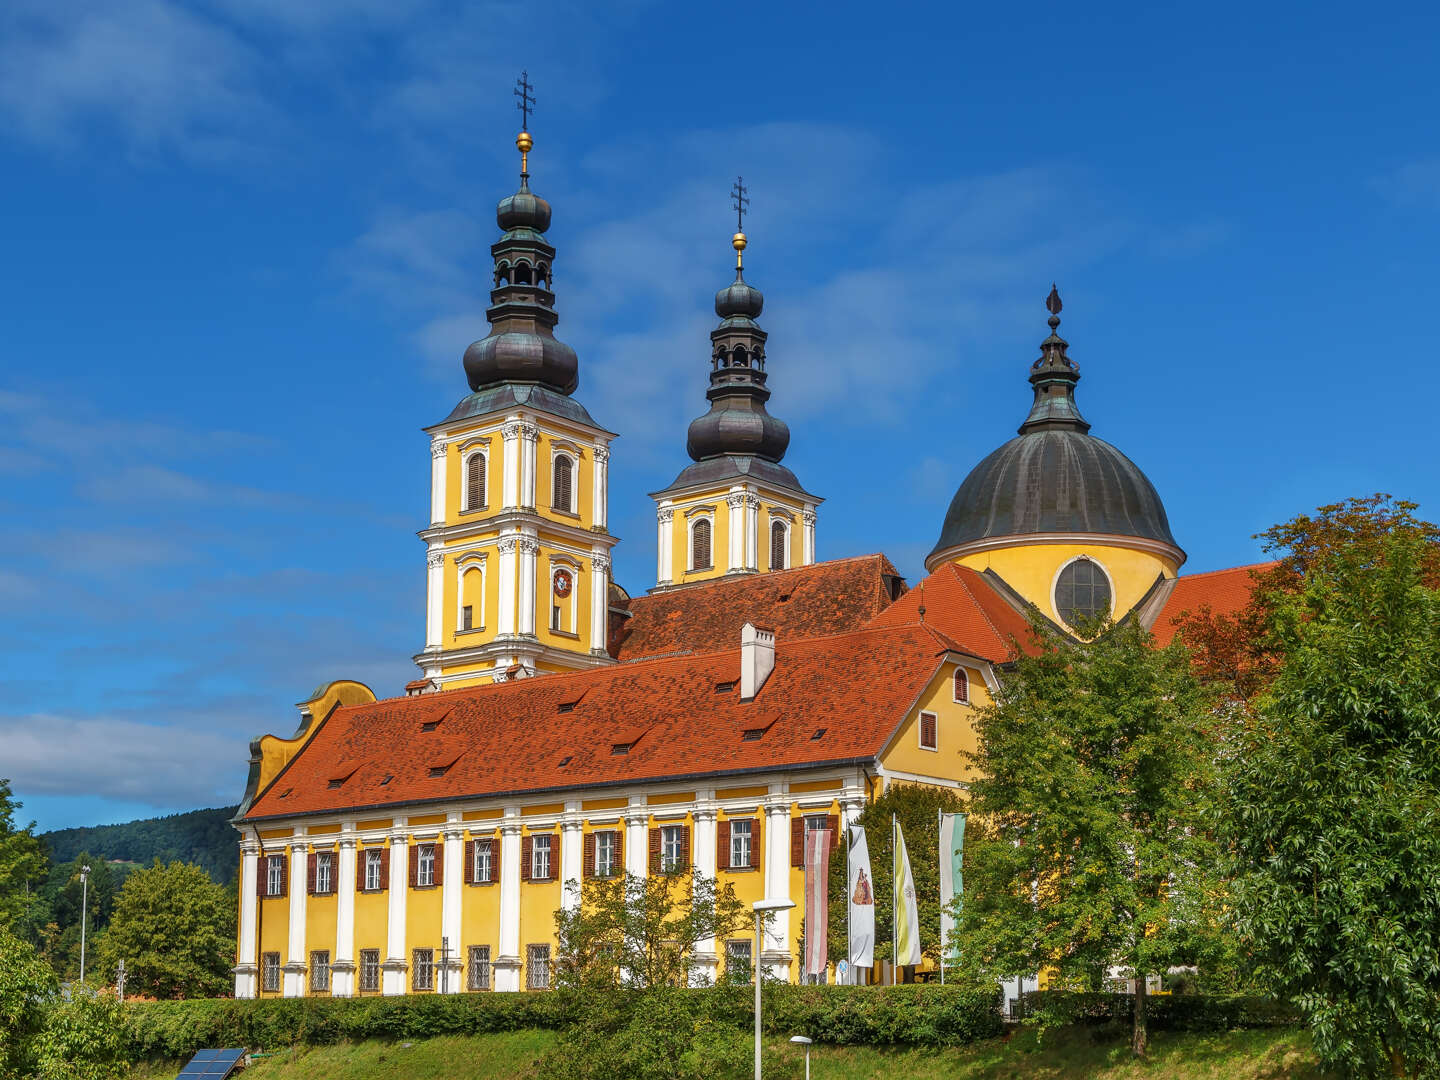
(1075, 1054)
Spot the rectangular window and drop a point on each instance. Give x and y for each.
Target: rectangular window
(538, 974)
(372, 871)
(275, 876)
(555, 618)
(270, 972)
(325, 872)
(962, 685)
(425, 866)
(672, 848)
(540, 857)
(605, 854)
(467, 618)
(741, 844)
(479, 967)
(422, 969)
(737, 961)
(929, 734)
(482, 862)
(320, 972)
(370, 970)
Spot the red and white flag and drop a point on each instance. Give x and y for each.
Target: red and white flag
(817, 897)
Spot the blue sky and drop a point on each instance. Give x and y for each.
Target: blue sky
(246, 243)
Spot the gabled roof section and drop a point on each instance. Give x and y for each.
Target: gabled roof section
(961, 605)
(858, 686)
(810, 601)
(1224, 592)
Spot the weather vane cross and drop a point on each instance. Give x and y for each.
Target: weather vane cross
(526, 95)
(739, 198)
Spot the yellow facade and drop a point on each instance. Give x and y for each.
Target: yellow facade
(752, 553)
(955, 729)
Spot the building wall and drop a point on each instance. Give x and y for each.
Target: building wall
(727, 557)
(955, 729)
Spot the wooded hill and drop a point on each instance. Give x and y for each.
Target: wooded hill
(203, 837)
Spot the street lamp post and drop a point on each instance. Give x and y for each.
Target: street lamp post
(801, 1040)
(84, 910)
(762, 908)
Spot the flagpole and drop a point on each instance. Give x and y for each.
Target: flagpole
(849, 932)
(894, 909)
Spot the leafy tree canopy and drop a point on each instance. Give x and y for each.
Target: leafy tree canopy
(22, 863)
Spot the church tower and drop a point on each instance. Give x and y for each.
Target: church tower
(736, 510)
(518, 549)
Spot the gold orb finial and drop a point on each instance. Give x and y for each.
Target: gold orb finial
(738, 241)
(523, 142)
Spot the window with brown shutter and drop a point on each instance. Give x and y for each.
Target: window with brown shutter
(700, 545)
(685, 850)
(385, 867)
(778, 536)
(619, 867)
(655, 851)
(414, 864)
(588, 868)
(525, 854)
(929, 737)
(310, 862)
(962, 685)
(475, 482)
(797, 841)
(722, 846)
(262, 871)
(562, 487)
(439, 877)
(360, 869)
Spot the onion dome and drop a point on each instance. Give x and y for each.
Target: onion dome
(1055, 477)
(521, 346)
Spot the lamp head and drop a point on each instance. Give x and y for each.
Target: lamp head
(801, 1040)
(773, 905)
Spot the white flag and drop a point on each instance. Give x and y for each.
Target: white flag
(907, 916)
(952, 881)
(861, 902)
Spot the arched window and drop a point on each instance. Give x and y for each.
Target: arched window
(1082, 592)
(742, 358)
(962, 685)
(502, 275)
(700, 545)
(471, 613)
(562, 488)
(522, 273)
(779, 545)
(475, 482)
(542, 276)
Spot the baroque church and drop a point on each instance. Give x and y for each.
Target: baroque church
(561, 729)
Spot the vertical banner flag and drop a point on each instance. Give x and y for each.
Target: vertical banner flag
(817, 900)
(907, 918)
(952, 849)
(862, 902)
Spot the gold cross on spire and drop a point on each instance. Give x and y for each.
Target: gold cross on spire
(526, 95)
(740, 200)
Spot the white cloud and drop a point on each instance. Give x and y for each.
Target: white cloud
(1416, 183)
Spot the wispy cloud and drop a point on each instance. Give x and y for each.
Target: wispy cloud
(1414, 184)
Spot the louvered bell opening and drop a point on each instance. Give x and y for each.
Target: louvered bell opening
(564, 484)
(700, 545)
(777, 546)
(475, 482)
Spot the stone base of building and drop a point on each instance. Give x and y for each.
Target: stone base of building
(392, 976)
(247, 981)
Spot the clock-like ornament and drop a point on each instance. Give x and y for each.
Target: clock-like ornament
(563, 583)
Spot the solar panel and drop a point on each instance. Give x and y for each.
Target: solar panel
(211, 1065)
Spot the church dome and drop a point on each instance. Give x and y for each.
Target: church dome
(739, 298)
(523, 210)
(737, 427)
(522, 356)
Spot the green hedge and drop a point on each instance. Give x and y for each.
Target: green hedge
(831, 1014)
(1163, 1012)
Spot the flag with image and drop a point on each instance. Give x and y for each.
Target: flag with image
(907, 917)
(952, 850)
(861, 901)
(817, 900)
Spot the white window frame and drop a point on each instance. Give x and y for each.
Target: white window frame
(605, 860)
(537, 967)
(275, 875)
(539, 852)
(425, 866)
(320, 971)
(671, 836)
(573, 457)
(422, 962)
(742, 842)
(776, 519)
(483, 854)
(469, 565)
(374, 857)
(465, 480)
(478, 968)
(920, 731)
(960, 672)
(706, 515)
(324, 872)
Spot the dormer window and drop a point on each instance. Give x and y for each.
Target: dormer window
(962, 686)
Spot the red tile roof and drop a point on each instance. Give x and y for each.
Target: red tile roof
(1223, 591)
(858, 686)
(809, 601)
(960, 604)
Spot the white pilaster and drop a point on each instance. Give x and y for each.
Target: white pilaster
(807, 517)
(601, 490)
(752, 532)
(342, 960)
(736, 501)
(572, 856)
(637, 838)
(511, 464)
(665, 546)
(775, 955)
(507, 963)
(599, 601)
(397, 961)
(247, 977)
(452, 884)
(529, 437)
(295, 957)
(438, 454)
(705, 816)
(434, 597)
(529, 551)
(505, 619)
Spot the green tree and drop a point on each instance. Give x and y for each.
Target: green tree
(22, 864)
(1333, 811)
(175, 930)
(1085, 849)
(28, 991)
(83, 1039)
(918, 808)
(642, 932)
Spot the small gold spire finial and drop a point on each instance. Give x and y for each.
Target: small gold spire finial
(739, 199)
(525, 95)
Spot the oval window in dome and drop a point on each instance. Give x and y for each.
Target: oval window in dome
(1082, 592)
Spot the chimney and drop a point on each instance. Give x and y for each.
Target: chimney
(757, 659)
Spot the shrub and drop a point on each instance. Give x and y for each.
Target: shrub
(1173, 1012)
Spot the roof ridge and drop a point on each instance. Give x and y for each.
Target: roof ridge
(999, 638)
(1227, 570)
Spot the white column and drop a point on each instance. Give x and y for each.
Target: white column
(665, 546)
(295, 958)
(704, 816)
(247, 977)
(808, 534)
(599, 602)
(437, 480)
(752, 532)
(342, 961)
(529, 549)
(505, 619)
(572, 856)
(637, 837)
(452, 885)
(397, 962)
(601, 492)
(776, 952)
(507, 964)
(511, 464)
(434, 597)
(736, 501)
(529, 437)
